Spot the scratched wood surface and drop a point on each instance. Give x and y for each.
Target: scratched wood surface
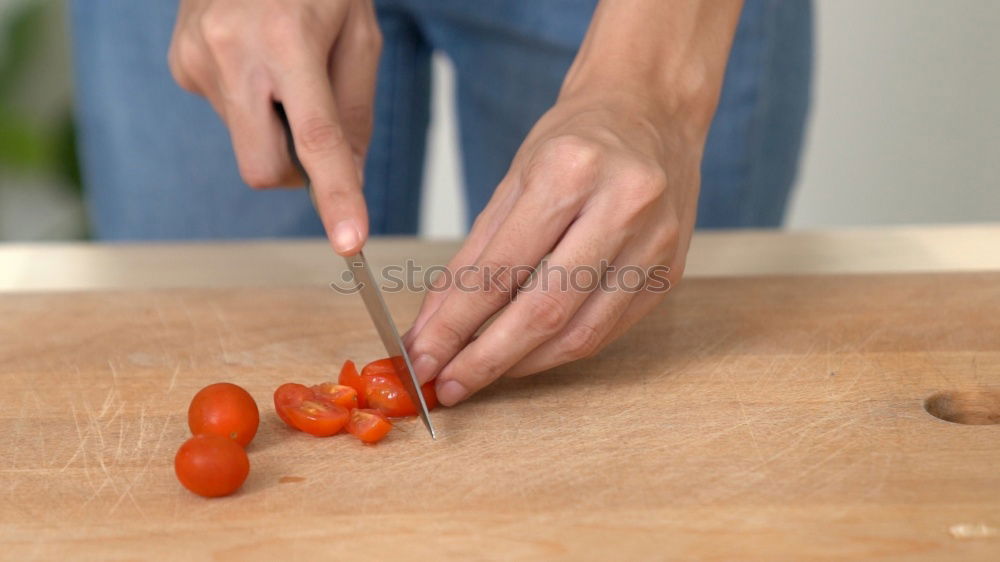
(764, 418)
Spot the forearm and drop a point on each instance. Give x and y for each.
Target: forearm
(670, 52)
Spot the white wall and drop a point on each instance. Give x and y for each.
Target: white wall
(442, 212)
(906, 120)
(905, 125)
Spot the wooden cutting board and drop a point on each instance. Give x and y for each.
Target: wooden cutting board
(761, 418)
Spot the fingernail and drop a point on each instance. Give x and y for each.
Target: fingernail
(425, 367)
(450, 392)
(346, 236)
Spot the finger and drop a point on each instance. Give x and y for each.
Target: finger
(186, 56)
(184, 62)
(650, 298)
(640, 306)
(353, 70)
(599, 320)
(585, 332)
(542, 308)
(325, 153)
(548, 204)
(483, 229)
(258, 140)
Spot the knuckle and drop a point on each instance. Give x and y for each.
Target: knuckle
(548, 312)
(217, 29)
(574, 150)
(563, 170)
(436, 340)
(368, 36)
(319, 134)
(581, 341)
(574, 157)
(333, 190)
(492, 279)
(179, 75)
(259, 176)
(185, 62)
(642, 185)
(489, 366)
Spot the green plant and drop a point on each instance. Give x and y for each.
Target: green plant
(31, 144)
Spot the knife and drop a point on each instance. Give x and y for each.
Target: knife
(372, 296)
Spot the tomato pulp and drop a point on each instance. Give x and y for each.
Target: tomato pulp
(370, 426)
(384, 391)
(301, 408)
(349, 376)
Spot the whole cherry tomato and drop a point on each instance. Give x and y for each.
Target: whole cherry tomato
(211, 465)
(224, 409)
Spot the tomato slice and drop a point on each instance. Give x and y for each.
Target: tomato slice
(339, 394)
(384, 391)
(370, 426)
(387, 366)
(430, 394)
(298, 406)
(289, 395)
(349, 377)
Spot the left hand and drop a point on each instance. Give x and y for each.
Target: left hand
(603, 178)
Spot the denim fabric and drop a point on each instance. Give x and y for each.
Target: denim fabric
(752, 153)
(158, 162)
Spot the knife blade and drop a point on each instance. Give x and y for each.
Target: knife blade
(371, 294)
(379, 313)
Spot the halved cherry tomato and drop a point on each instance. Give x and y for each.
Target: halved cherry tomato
(430, 394)
(387, 366)
(339, 394)
(288, 396)
(384, 391)
(299, 407)
(370, 426)
(211, 465)
(349, 377)
(224, 409)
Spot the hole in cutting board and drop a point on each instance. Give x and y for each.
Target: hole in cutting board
(969, 407)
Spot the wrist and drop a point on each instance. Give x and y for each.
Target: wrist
(686, 96)
(670, 53)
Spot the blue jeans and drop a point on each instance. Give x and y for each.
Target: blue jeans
(158, 163)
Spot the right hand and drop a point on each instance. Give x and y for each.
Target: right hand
(319, 59)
